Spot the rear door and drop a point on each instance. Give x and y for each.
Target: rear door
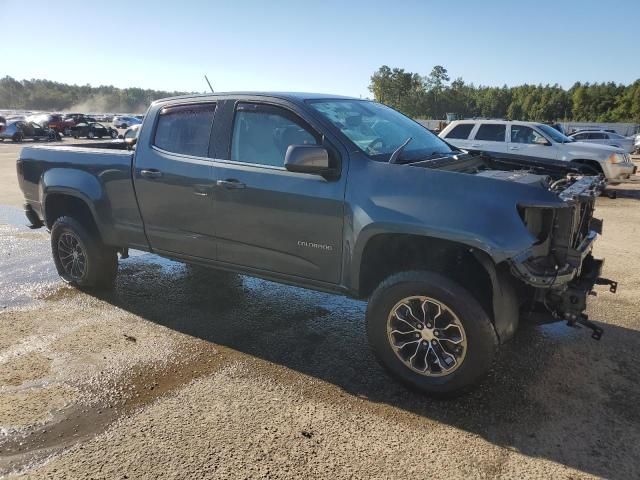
(527, 141)
(490, 137)
(267, 217)
(173, 181)
(459, 135)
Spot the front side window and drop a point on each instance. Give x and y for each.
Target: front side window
(185, 129)
(460, 131)
(580, 136)
(378, 130)
(522, 134)
(262, 134)
(492, 132)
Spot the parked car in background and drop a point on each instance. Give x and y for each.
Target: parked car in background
(54, 121)
(20, 130)
(73, 119)
(637, 144)
(604, 138)
(538, 140)
(93, 130)
(125, 121)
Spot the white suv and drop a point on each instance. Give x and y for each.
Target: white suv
(537, 140)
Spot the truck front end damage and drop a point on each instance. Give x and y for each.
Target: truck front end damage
(559, 271)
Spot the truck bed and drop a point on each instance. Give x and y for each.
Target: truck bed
(100, 172)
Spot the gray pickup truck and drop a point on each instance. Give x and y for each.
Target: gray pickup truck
(339, 195)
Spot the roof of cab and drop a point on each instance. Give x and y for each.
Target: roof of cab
(294, 96)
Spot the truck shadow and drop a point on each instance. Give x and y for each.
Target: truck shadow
(555, 394)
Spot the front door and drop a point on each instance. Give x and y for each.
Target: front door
(531, 143)
(173, 180)
(267, 217)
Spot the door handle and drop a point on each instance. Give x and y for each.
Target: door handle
(514, 148)
(230, 183)
(475, 145)
(151, 173)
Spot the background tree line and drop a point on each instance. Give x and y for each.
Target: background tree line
(435, 95)
(54, 96)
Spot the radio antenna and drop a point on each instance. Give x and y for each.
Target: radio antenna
(209, 83)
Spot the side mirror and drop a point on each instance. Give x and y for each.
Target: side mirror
(308, 159)
(541, 141)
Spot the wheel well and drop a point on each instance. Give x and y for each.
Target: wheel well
(387, 254)
(591, 164)
(59, 205)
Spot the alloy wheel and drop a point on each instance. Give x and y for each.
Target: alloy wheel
(72, 255)
(427, 336)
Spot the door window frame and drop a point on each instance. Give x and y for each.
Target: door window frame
(152, 138)
(477, 130)
(295, 117)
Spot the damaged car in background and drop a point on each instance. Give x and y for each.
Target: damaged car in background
(340, 195)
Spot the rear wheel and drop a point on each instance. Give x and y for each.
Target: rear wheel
(80, 256)
(17, 137)
(430, 333)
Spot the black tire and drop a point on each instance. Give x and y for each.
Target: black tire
(114, 134)
(101, 262)
(479, 332)
(17, 137)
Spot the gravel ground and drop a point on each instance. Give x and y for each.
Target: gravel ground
(183, 372)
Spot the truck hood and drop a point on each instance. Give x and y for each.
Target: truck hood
(596, 149)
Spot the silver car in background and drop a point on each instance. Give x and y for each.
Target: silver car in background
(605, 138)
(125, 121)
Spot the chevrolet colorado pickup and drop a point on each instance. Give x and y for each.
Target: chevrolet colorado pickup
(340, 195)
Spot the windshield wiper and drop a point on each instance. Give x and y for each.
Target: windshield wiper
(396, 153)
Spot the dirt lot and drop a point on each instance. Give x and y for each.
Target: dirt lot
(182, 372)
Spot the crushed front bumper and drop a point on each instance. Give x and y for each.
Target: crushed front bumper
(564, 293)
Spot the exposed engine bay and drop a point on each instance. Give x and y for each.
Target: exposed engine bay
(558, 270)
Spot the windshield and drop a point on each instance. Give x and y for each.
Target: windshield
(379, 130)
(555, 135)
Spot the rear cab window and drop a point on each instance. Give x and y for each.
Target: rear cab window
(460, 131)
(492, 132)
(262, 134)
(185, 129)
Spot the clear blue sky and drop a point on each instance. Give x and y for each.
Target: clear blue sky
(322, 46)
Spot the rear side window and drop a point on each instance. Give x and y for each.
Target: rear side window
(492, 132)
(460, 131)
(185, 129)
(580, 136)
(598, 136)
(262, 134)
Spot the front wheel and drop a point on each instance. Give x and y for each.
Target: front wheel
(80, 256)
(430, 333)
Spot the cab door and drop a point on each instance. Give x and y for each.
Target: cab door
(173, 177)
(268, 218)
